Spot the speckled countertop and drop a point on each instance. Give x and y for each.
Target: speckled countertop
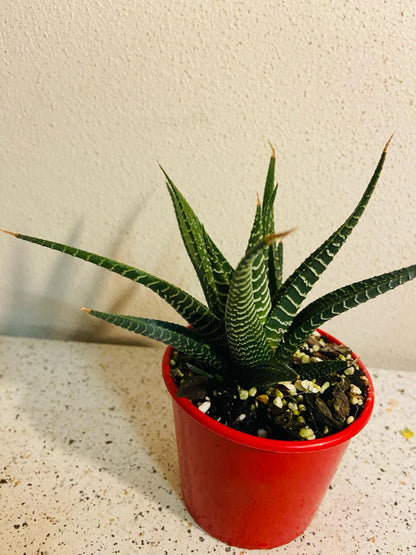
(88, 461)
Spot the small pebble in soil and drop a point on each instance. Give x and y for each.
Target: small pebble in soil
(306, 433)
(277, 402)
(205, 406)
(354, 390)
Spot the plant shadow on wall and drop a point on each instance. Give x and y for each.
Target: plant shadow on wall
(21, 302)
(58, 319)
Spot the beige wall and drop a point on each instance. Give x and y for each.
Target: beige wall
(94, 93)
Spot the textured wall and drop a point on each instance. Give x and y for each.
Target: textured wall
(94, 93)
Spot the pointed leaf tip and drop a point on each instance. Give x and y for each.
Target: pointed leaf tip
(388, 143)
(88, 310)
(165, 173)
(10, 232)
(273, 150)
(269, 239)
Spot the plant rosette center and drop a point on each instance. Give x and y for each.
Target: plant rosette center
(302, 409)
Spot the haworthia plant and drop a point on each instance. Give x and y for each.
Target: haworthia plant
(252, 324)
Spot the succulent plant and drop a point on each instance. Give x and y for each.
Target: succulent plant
(252, 323)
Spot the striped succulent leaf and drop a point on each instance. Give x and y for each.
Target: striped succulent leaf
(193, 311)
(211, 267)
(221, 270)
(274, 253)
(314, 370)
(269, 195)
(193, 239)
(337, 302)
(259, 277)
(275, 269)
(297, 286)
(245, 332)
(179, 337)
(266, 376)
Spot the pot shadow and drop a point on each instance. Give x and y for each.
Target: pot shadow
(112, 412)
(60, 320)
(147, 404)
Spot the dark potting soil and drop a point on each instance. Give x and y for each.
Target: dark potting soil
(299, 410)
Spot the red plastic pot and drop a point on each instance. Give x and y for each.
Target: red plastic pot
(252, 492)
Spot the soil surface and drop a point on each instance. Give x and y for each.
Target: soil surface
(304, 409)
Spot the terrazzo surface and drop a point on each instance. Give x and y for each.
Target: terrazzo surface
(88, 461)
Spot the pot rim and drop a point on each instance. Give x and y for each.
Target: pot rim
(272, 445)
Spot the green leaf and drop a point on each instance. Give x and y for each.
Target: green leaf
(194, 312)
(211, 267)
(275, 262)
(315, 370)
(179, 337)
(260, 286)
(337, 302)
(246, 338)
(222, 272)
(193, 239)
(269, 195)
(266, 376)
(297, 286)
(274, 253)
